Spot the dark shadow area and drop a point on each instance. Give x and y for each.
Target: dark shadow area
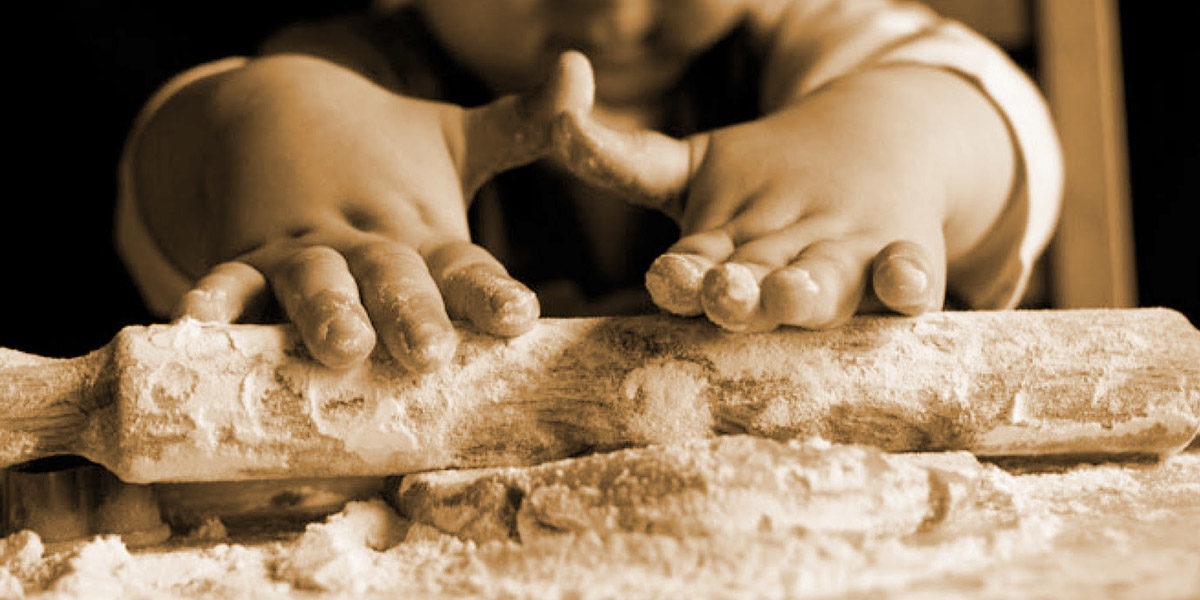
(73, 96)
(63, 291)
(1163, 109)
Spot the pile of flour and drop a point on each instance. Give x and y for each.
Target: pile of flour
(1114, 530)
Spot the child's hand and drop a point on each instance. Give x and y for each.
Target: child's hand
(814, 212)
(348, 200)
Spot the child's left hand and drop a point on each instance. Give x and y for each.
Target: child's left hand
(848, 201)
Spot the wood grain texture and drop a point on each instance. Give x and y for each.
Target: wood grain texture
(194, 402)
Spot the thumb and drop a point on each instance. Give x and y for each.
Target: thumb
(516, 129)
(650, 169)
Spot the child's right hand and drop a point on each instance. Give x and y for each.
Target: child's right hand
(850, 200)
(349, 200)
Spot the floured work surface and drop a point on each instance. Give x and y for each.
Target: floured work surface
(793, 510)
(732, 517)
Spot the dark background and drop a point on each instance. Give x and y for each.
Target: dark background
(82, 69)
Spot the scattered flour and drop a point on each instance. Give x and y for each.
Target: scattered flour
(343, 553)
(1123, 531)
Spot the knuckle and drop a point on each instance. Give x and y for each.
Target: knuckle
(235, 269)
(374, 252)
(294, 264)
(314, 254)
(380, 259)
(448, 257)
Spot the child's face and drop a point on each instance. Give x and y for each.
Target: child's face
(637, 47)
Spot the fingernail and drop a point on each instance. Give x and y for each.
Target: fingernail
(901, 275)
(674, 281)
(801, 279)
(203, 305)
(515, 310)
(431, 346)
(730, 294)
(790, 294)
(491, 301)
(346, 337)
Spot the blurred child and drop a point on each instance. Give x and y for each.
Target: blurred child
(786, 162)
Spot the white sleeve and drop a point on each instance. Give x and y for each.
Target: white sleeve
(816, 41)
(160, 282)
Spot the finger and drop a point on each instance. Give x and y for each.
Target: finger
(515, 130)
(730, 295)
(476, 287)
(775, 247)
(319, 295)
(648, 168)
(714, 244)
(905, 280)
(674, 279)
(404, 303)
(822, 288)
(733, 295)
(229, 291)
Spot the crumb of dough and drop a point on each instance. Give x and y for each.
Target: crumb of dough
(339, 554)
(211, 530)
(731, 485)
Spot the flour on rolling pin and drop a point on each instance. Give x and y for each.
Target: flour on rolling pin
(198, 402)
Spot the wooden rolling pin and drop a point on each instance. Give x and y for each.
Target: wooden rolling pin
(198, 402)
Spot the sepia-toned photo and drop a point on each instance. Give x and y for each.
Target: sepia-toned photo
(597, 299)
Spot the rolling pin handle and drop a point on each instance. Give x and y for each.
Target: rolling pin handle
(45, 402)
